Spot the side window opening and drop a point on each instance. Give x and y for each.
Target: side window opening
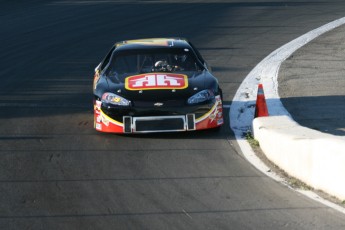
(197, 53)
(106, 59)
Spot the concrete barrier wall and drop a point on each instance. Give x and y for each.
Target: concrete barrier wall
(316, 158)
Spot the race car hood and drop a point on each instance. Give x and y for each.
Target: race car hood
(161, 86)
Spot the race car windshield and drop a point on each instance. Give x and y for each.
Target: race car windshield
(133, 62)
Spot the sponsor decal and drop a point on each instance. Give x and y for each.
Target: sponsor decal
(99, 119)
(156, 81)
(158, 104)
(97, 107)
(105, 120)
(220, 121)
(95, 79)
(98, 126)
(213, 116)
(154, 41)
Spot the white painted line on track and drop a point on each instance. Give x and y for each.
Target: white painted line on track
(266, 72)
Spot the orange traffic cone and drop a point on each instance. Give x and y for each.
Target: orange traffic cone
(261, 107)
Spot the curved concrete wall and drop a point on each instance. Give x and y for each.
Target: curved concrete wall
(316, 158)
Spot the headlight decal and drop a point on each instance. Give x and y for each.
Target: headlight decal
(201, 96)
(114, 99)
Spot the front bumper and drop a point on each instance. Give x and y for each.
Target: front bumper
(208, 116)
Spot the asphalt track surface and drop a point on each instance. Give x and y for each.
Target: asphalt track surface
(56, 172)
(312, 82)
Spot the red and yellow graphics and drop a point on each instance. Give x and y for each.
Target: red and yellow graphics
(213, 118)
(149, 41)
(156, 81)
(104, 123)
(95, 79)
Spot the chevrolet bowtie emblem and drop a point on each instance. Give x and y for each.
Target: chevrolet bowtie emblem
(158, 104)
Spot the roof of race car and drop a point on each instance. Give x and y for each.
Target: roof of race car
(153, 43)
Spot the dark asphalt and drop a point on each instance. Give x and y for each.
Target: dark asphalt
(312, 83)
(56, 172)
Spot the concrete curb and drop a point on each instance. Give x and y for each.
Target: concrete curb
(309, 155)
(316, 158)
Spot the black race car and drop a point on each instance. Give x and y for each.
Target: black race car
(155, 85)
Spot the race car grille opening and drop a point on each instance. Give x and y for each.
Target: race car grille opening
(127, 121)
(159, 124)
(191, 121)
